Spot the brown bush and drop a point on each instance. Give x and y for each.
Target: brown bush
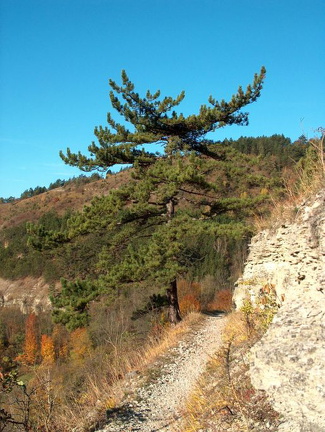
(222, 301)
(189, 303)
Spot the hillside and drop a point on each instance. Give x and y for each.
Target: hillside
(30, 292)
(69, 197)
(23, 271)
(106, 313)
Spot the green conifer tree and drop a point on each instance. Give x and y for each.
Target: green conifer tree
(169, 198)
(155, 121)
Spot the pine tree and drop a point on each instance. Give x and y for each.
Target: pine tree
(154, 122)
(169, 198)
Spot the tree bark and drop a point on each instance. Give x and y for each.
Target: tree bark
(173, 309)
(170, 207)
(172, 296)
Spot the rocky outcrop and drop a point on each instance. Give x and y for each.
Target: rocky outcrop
(28, 294)
(289, 361)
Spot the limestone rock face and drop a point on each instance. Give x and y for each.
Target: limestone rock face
(28, 294)
(289, 361)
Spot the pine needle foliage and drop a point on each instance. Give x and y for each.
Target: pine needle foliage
(155, 120)
(169, 199)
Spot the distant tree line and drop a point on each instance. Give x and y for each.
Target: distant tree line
(79, 180)
(287, 152)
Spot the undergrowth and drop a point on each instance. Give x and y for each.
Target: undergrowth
(52, 401)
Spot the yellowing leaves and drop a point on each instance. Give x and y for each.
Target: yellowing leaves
(80, 344)
(47, 350)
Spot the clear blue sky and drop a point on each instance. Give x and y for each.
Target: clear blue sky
(57, 56)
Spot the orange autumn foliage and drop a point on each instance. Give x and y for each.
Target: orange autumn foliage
(222, 301)
(30, 353)
(189, 303)
(189, 294)
(47, 350)
(60, 338)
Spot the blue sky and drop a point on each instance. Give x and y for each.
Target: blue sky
(57, 56)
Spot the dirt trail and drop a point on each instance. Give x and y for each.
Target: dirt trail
(155, 402)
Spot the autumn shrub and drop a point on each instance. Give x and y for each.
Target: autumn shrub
(222, 301)
(80, 344)
(60, 338)
(189, 296)
(189, 303)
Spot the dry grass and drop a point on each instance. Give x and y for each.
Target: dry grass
(60, 200)
(224, 399)
(169, 338)
(87, 411)
(307, 179)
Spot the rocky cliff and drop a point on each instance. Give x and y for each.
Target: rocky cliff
(28, 294)
(289, 361)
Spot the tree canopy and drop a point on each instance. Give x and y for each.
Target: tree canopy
(171, 198)
(156, 121)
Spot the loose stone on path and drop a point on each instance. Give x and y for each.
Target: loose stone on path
(156, 404)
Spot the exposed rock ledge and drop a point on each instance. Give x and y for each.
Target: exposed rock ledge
(289, 361)
(28, 294)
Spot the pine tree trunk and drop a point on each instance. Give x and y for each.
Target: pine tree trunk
(170, 207)
(172, 296)
(173, 308)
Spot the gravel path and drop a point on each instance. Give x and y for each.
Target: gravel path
(156, 400)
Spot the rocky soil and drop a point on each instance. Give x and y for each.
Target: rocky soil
(154, 402)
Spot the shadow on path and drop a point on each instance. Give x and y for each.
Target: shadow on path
(214, 313)
(126, 415)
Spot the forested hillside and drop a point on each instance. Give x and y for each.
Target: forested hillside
(207, 281)
(136, 251)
